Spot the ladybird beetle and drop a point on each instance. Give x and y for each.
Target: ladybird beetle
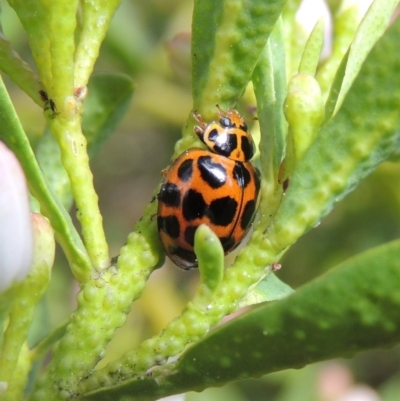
(218, 186)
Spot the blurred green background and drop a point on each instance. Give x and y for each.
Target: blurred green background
(150, 42)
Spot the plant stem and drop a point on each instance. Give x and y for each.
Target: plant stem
(66, 127)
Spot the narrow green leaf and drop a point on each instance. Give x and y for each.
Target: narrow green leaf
(278, 55)
(267, 106)
(107, 101)
(96, 17)
(352, 308)
(49, 157)
(362, 134)
(46, 343)
(334, 91)
(11, 132)
(15, 389)
(345, 23)
(312, 52)
(19, 71)
(122, 283)
(269, 80)
(50, 27)
(370, 30)
(29, 293)
(210, 254)
(294, 35)
(345, 151)
(33, 23)
(108, 98)
(227, 39)
(270, 288)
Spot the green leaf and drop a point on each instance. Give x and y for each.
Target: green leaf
(361, 135)
(123, 282)
(49, 157)
(210, 254)
(228, 37)
(312, 51)
(107, 101)
(354, 307)
(269, 80)
(50, 29)
(12, 133)
(370, 30)
(18, 70)
(348, 148)
(40, 349)
(344, 152)
(336, 84)
(345, 23)
(270, 288)
(227, 40)
(96, 17)
(108, 98)
(29, 293)
(294, 35)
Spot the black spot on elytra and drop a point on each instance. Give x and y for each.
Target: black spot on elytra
(189, 234)
(247, 214)
(214, 174)
(222, 211)
(257, 180)
(193, 205)
(170, 225)
(183, 258)
(170, 194)
(247, 148)
(185, 170)
(227, 243)
(241, 174)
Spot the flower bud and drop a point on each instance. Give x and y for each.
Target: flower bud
(304, 111)
(16, 237)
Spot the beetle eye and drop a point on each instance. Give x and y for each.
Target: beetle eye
(244, 127)
(226, 122)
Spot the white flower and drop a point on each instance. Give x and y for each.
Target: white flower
(16, 235)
